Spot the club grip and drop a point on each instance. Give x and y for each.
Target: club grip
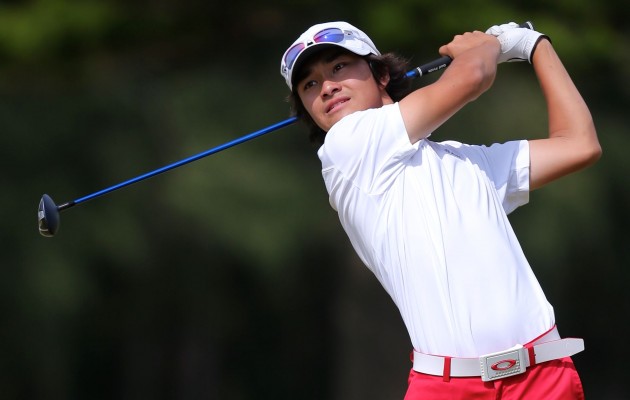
(429, 67)
(445, 61)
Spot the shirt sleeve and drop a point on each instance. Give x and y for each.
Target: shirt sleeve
(507, 167)
(368, 147)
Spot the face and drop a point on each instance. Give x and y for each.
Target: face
(336, 84)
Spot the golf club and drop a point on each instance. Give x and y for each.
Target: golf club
(48, 212)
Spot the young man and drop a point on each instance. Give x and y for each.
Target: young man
(429, 219)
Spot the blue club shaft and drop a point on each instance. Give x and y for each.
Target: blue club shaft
(184, 161)
(422, 70)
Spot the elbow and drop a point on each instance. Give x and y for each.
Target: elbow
(593, 151)
(590, 151)
(594, 154)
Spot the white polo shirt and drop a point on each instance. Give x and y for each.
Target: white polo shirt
(430, 221)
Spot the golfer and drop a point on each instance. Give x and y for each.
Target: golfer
(429, 218)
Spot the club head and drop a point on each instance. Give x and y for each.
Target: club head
(47, 216)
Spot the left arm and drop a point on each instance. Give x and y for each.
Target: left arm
(572, 143)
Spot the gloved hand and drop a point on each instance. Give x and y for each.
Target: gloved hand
(517, 44)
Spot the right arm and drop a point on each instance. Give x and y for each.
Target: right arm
(471, 73)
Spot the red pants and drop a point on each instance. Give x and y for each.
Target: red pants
(552, 380)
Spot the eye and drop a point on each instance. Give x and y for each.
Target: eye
(309, 84)
(339, 66)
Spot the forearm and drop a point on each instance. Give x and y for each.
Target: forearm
(569, 115)
(572, 141)
(470, 74)
(474, 67)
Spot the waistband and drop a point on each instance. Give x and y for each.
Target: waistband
(512, 361)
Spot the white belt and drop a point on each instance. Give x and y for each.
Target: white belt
(501, 364)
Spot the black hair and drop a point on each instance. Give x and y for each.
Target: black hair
(397, 88)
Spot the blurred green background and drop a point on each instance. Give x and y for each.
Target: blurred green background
(230, 278)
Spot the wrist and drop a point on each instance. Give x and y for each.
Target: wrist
(542, 42)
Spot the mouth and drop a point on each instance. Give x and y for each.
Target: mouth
(336, 104)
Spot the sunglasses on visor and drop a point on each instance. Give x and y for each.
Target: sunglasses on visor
(329, 35)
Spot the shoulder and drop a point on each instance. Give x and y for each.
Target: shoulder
(369, 119)
(367, 145)
(364, 131)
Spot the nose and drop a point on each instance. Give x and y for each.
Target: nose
(330, 87)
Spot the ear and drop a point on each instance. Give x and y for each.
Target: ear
(384, 81)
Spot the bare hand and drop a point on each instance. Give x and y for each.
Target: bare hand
(467, 41)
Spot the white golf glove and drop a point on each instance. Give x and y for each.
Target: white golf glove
(517, 44)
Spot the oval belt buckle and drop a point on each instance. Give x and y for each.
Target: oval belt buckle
(503, 363)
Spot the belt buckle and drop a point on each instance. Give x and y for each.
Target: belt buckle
(503, 363)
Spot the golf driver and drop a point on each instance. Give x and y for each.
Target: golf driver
(48, 211)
